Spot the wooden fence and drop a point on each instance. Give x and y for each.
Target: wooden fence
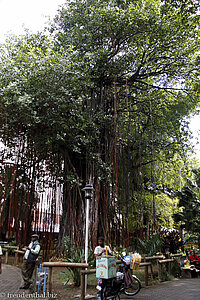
(84, 272)
(52, 265)
(160, 260)
(93, 271)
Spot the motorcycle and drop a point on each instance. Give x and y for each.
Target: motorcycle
(124, 282)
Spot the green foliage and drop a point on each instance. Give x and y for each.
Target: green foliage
(189, 215)
(65, 277)
(176, 269)
(67, 246)
(78, 256)
(117, 252)
(75, 255)
(11, 251)
(150, 247)
(191, 238)
(166, 276)
(105, 98)
(172, 241)
(166, 206)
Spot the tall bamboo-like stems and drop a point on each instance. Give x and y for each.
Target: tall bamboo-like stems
(115, 122)
(3, 178)
(10, 213)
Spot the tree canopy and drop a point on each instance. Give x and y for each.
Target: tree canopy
(104, 99)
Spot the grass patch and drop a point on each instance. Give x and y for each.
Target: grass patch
(166, 276)
(92, 280)
(139, 274)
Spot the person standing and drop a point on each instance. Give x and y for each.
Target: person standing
(100, 250)
(30, 256)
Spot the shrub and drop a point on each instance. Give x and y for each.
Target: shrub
(75, 255)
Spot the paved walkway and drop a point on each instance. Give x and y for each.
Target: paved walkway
(10, 281)
(179, 289)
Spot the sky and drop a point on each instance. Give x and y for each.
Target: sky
(195, 128)
(17, 15)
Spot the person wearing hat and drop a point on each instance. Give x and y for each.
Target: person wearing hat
(30, 256)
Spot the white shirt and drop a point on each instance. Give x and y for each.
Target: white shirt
(1, 253)
(99, 249)
(34, 251)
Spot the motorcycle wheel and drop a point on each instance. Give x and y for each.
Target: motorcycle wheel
(133, 288)
(108, 297)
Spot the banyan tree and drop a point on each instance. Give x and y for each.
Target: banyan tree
(102, 99)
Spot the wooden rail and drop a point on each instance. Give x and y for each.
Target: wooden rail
(17, 252)
(8, 247)
(160, 263)
(12, 247)
(6, 255)
(146, 271)
(176, 255)
(83, 273)
(52, 265)
(156, 257)
(92, 271)
(168, 260)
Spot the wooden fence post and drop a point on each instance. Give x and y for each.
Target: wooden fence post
(146, 275)
(16, 258)
(17, 253)
(164, 261)
(83, 273)
(50, 279)
(6, 256)
(170, 267)
(146, 271)
(82, 286)
(159, 271)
